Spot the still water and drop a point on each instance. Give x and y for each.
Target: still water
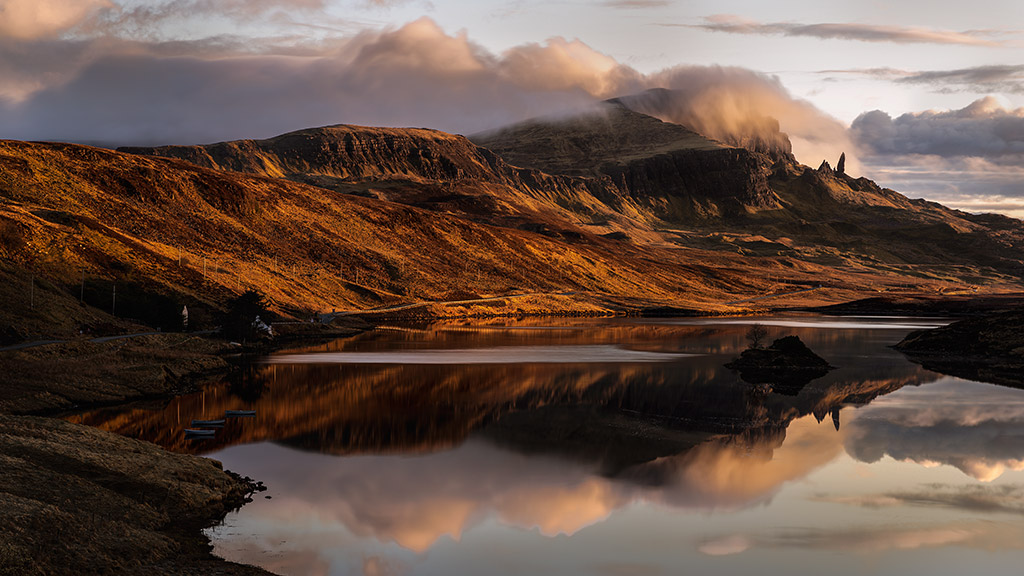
(608, 447)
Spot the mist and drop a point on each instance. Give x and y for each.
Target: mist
(114, 91)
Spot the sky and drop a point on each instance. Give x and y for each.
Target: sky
(925, 97)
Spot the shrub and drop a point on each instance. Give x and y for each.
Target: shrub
(755, 334)
(11, 236)
(248, 317)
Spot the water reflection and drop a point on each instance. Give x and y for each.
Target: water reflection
(981, 435)
(460, 448)
(575, 406)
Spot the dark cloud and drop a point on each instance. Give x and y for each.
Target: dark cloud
(994, 78)
(1006, 78)
(982, 129)
(971, 158)
(847, 31)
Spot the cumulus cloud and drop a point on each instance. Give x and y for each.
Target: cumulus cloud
(119, 91)
(971, 157)
(848, 31)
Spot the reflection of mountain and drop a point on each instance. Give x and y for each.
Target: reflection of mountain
(615, 414)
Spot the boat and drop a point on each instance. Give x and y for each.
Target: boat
(239, 413)
(208, 423)
(193, 433)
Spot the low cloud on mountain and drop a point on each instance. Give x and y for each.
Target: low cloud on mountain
(115, 72)
(112, 87)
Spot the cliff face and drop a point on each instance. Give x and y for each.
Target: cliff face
(349, 152)
(687, 186)
(616, 172)
(671, 172)
(424, 168)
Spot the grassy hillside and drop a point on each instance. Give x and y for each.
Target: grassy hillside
(165, 233)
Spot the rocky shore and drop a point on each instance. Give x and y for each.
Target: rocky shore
(988, 348)
(78, 500)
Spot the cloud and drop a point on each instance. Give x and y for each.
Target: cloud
(27, 19)
(983, 129)
(745, 108)
(993, 78)
(971, 158)
(118, 91)
(848, 31)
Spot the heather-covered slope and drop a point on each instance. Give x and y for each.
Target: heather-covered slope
(615, 171)
(424, 168)
(706, 193)
(169, 233)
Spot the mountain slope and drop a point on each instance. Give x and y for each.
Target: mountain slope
(619, 172)
(709, 193)
(424, 168)
(170, 233)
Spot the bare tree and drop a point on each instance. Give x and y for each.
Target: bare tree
(755, 334)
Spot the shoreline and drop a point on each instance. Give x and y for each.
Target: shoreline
(178, 364)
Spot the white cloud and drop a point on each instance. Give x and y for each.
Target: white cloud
(45, 18)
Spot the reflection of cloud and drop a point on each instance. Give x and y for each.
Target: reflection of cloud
(974, 498)
(976, 428)
(983, 535)
(414, 501)
(627, 569)
(734, 475)
(724, 546)
(847, 31)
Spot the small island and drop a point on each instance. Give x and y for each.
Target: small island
(787, 365)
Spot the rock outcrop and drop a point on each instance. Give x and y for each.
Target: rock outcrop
(787, 365)
(841, 165)
(989, 348)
